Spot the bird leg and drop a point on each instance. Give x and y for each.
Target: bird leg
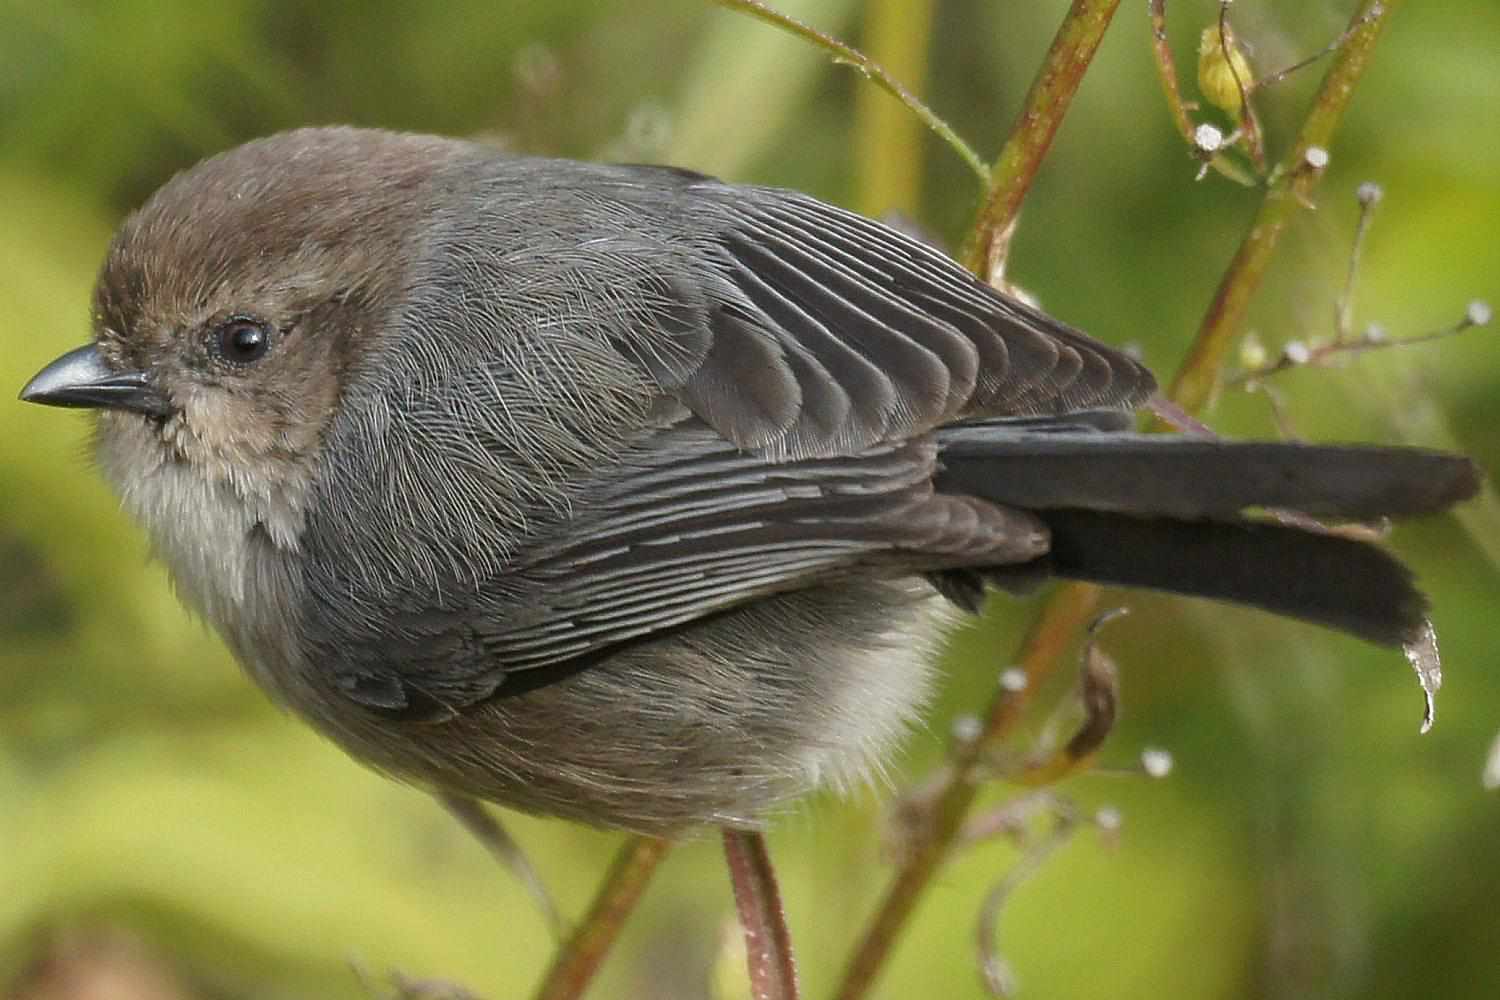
(768, 944)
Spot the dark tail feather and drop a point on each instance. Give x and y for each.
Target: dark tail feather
(1165, 513)
(1158, 475)
(1325, 579)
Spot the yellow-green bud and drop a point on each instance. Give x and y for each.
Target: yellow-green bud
(1216, 72)
(1252, 352)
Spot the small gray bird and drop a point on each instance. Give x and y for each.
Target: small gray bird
(623, 494)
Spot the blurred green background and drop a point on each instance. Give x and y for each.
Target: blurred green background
(165, 832)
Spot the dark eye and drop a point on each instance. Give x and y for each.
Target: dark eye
(241, 341)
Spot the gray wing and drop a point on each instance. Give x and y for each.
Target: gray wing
(832, 332)
(685, 527)
(816, 349)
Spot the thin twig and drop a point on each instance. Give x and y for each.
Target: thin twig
(1010, 818)
(404, 987)
(998, 977)
(850, 56)
(1166, 72)
(579, 959)
(1343, 344)
(1301, 354)
(1069, 611)
(1368, 195)
(1099, 693)
(1166, 69)
(1327, 50)
(489, 831)
(1073, 605)
(1175, 418)
(1046, 103)
(1292, 183)
(768, 943)
(1249, 121)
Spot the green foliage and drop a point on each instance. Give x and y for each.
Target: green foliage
(1308, 843)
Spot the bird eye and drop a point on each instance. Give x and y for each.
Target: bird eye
(241, 341)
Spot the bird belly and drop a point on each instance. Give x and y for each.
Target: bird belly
(720, 725)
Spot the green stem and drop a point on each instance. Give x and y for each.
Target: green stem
(1069, 610)
(887, 138)
(1166, 74)
(1046, 103)
(1065, 615)
(1292, 183)
(851, 56)
(579, 959)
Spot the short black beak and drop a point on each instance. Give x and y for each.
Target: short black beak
(79, 378)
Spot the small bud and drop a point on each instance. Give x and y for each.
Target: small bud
(1157, 763)
(1222, 70)
(1252, 352)
(1376, 334)
(1491, 775)
(648, 130)
(1208, 138)
(966, 729)
(538, 69)
(1479, 313)
(1296, 352)
(1013, 680)
(1108, 819)
(1315, 157)
(1369, 193)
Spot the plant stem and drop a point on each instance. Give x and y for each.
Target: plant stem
(1249, 121)
(768, 943)
(490, 832)
(1071, 607)
(1291, 185)
(1166, 73)
(1069, 610)
(579, 959)
(1166, 70)
(1063, 617)
(851, 56)
(1046, 103)
(887, 137)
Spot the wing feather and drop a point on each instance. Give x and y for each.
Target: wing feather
(685, 527)
(867, 335)
(774, 373)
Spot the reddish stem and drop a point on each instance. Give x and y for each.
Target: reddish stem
(768, 943)
(580, 958)
(1046, 103)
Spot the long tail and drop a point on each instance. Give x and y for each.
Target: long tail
(1169, 513)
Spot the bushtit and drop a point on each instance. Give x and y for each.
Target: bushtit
(623, 494)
